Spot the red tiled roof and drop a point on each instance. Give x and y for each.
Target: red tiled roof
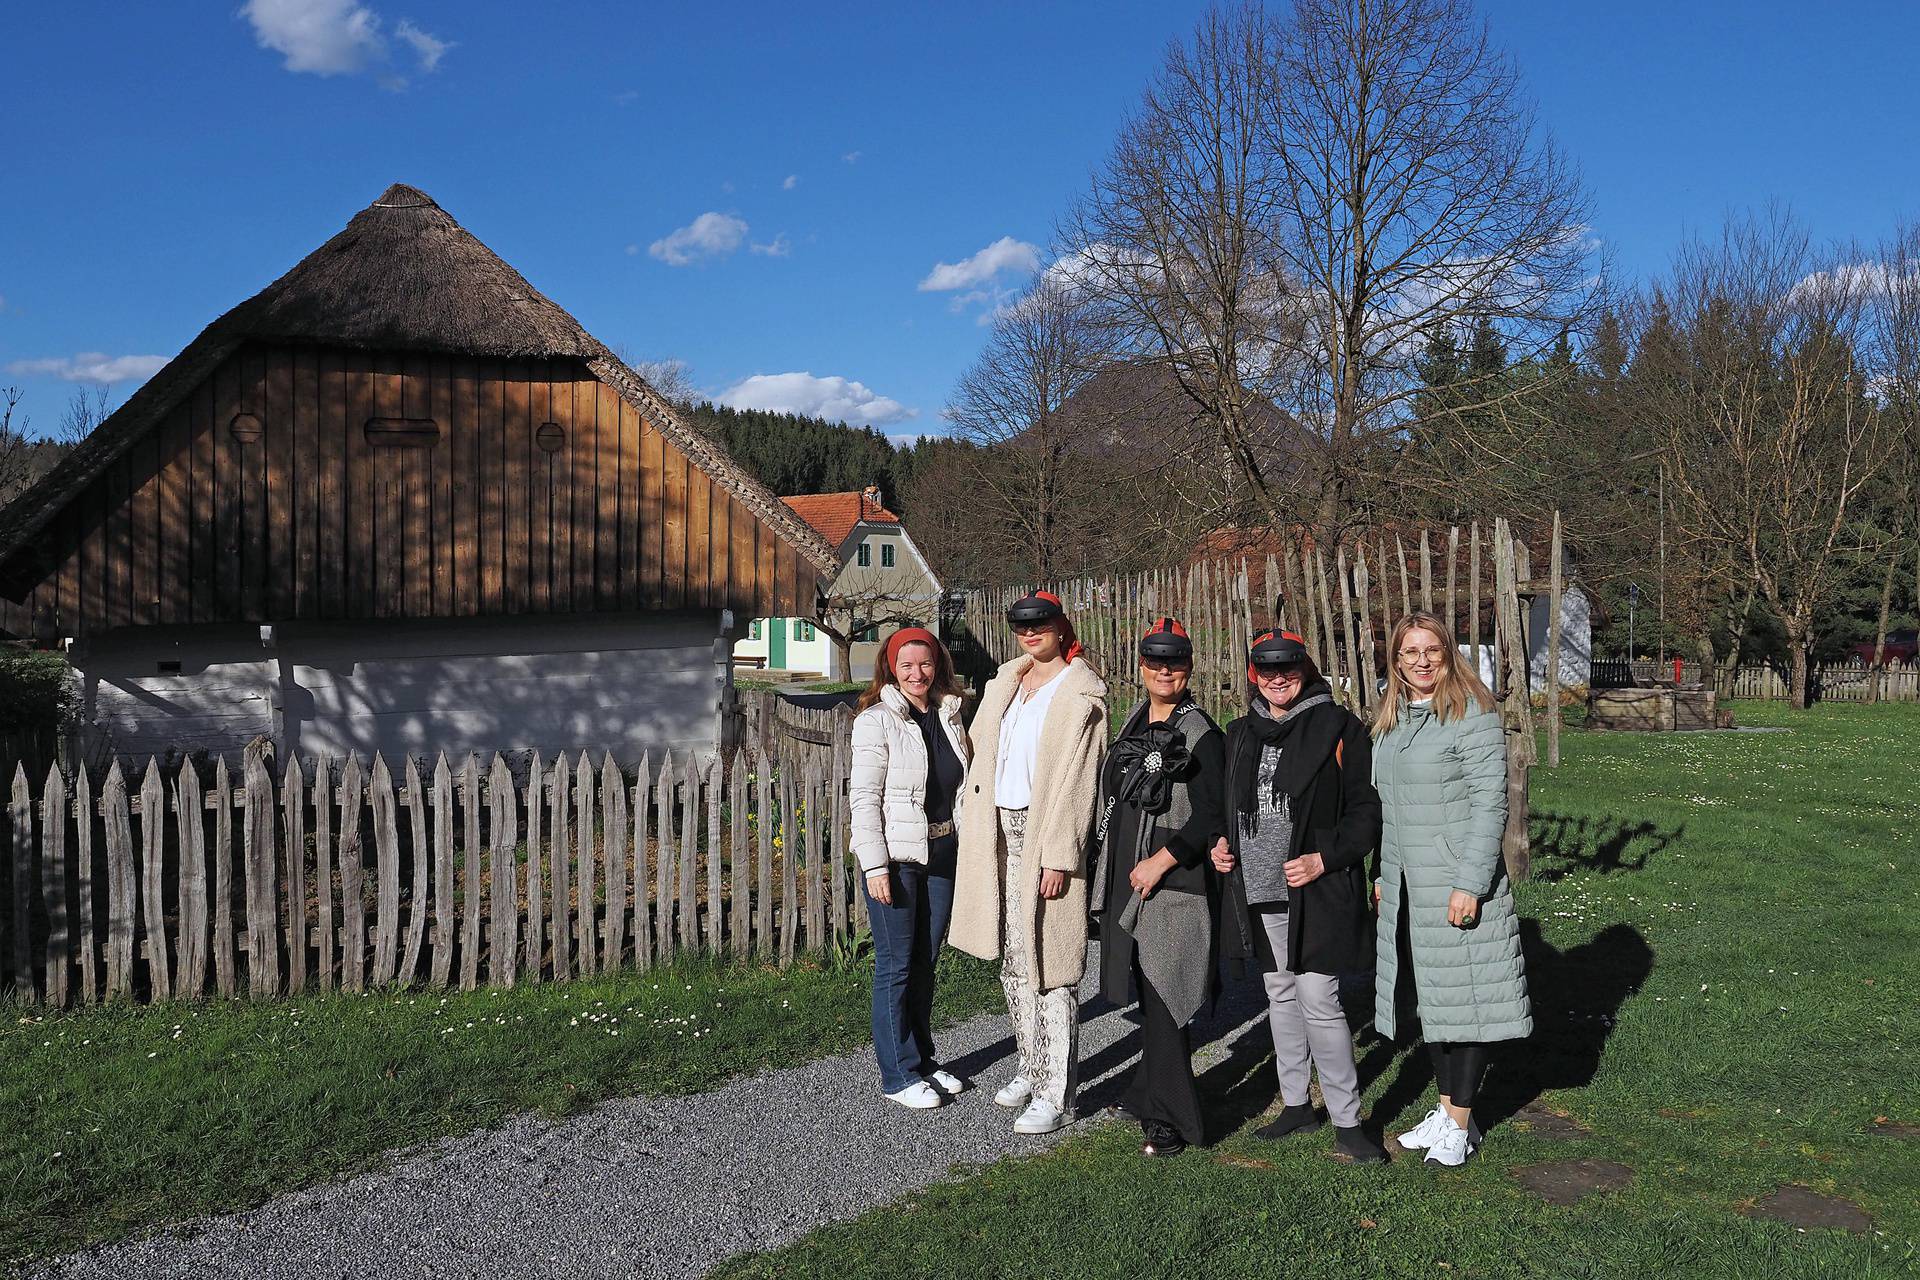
(833, 515)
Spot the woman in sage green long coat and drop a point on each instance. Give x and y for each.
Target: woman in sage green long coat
(1447, 929)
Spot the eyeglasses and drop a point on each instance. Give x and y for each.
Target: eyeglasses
(1275, 670)
(1026, 628)
(1166, 664)
(1435, 654)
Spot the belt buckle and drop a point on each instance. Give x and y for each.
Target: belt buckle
(937, 829)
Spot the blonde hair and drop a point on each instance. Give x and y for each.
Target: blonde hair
(1458, 685)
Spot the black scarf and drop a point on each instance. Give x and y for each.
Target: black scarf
(1307, 737)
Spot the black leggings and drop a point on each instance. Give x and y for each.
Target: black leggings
(1457, 1069)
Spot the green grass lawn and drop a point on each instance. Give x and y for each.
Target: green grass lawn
(1724, 942)
(125, 1118)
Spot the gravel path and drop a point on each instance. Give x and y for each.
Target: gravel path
(654, 1187)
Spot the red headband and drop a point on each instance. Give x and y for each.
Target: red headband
(906, 636)
(1069, 638)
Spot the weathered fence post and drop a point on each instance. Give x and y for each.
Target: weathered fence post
(323, 867)
(153, 879)
(353, 893)
(616, 840)
(120, 890)
(503, 805)
(24, 989)
(293, 796)
(386, 854)
(83, 815)
(263, 916)
(53, 882)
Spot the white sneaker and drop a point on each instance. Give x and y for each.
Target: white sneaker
(918, 1096)
(1041, 1117)
(1016, 1092)
(1423, 1135)
(1452, 1147)
(947, 1083)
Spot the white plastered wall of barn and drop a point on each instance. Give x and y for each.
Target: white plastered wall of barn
(629, 683)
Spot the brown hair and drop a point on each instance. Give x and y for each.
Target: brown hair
(945, 682)
(1458, 686)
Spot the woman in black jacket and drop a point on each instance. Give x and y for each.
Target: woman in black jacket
(1161, 807)
(1304, 821)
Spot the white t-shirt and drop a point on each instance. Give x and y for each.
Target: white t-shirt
(1020, 745)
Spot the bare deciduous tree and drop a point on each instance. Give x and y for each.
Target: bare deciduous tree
(870, 600)
(1768, 438)
(1893, 310)
(86, 409)
(1301, 200)
(1026, 479)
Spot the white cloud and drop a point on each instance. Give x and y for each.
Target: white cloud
(337, 37)
(626, 97)
(853, 157)
(778, 247)
(834, 398)
(425, 47)
(709, 235)
(633, 250)
(793, 180)
(1004, 255)
(90, 366)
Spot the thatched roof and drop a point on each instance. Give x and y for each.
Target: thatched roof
(401, 276)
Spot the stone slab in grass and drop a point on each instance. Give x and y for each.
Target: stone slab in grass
(1567, 1182)
(1886, 1128)
(1541, 1121)
(1803, 1207)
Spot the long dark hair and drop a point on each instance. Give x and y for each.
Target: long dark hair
(945, 682)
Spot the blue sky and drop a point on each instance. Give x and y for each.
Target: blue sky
(771, 191)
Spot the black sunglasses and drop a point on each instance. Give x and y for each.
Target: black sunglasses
(1278, 668)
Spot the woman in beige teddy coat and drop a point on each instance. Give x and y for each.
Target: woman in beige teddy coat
(1020, 889)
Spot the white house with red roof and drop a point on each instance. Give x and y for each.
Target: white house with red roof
(883, 583)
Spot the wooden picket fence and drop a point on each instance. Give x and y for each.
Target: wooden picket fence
(1343, 602)
(1834, 681)
(333, 875)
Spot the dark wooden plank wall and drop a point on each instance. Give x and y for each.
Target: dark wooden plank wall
(305, 518)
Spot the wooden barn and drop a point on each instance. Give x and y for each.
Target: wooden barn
(400, 500)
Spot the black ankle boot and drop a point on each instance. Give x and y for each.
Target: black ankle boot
(1354, 1143)
(1291, 1120)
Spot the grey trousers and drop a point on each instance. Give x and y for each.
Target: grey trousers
(1046, 1024)
(1303, 1010)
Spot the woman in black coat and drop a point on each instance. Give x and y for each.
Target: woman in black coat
(1304, 821)
(1160, 810)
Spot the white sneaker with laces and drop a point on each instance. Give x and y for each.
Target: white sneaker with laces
(1423, 1135)
(1452, 1147)
(918, 1096)
(1041, 1116)
(1016, 1092)
(947, 1083)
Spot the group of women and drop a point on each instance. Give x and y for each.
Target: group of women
(1188, 846)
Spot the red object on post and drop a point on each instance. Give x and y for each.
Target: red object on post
(1679, 666)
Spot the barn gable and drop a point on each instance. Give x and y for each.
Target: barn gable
(398, 427)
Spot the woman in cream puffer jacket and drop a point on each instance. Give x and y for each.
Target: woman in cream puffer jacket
(909, 760)
(887, 788)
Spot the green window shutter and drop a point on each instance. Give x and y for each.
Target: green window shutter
(886, 555)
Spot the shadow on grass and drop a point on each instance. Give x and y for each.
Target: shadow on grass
(1576, 996)
(1563, 844)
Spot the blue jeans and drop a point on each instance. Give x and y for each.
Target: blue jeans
(907, 937)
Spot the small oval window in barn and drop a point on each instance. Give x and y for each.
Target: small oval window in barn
(403, 433)
(550, 436)
(246, 428)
